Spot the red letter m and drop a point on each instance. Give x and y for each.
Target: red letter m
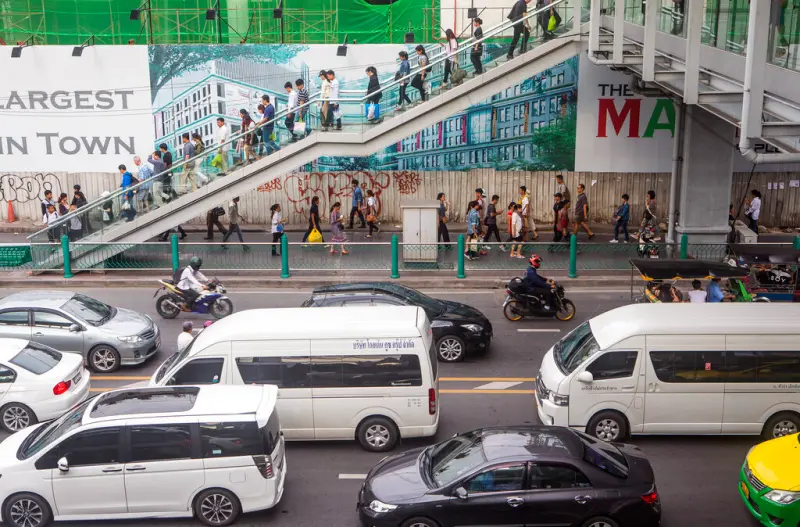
(608, 110)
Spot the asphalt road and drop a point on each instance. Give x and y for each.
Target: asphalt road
(696, 476)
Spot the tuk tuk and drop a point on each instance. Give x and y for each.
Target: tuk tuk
(772, 269)
(661, 276)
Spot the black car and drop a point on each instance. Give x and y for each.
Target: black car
(521, 476)
(457, 328)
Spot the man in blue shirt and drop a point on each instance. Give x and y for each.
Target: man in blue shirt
(537, 284)
(621, 218)
(715, 293)
(358, 204)
(267, 130)
(127, 198)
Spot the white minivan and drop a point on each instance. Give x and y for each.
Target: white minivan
(211, 452)
(677, 369)
(368, 373)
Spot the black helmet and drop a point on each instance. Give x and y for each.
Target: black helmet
(196, 263)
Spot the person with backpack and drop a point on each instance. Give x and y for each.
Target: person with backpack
(212, 218)
(373, 107)
(127, 210)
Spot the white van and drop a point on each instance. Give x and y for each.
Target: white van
(677, 369)
(211, 452)
(368, 373)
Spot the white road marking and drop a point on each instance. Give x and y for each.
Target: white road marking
(539, 330)
(497, 385)
(352, 476)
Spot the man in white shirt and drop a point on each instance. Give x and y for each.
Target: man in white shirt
(291, 106)
(223, 135)
(192, 281)
(697, 295)
(186, 336)
(335, 98)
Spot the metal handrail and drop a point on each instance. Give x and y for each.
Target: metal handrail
(464, 45)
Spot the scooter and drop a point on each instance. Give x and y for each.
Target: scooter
(520, 304)
(647, 248)
(211, 301)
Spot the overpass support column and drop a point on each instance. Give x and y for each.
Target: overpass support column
(706, 177)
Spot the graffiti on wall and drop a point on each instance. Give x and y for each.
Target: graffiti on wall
(22, 189)
(407, 182)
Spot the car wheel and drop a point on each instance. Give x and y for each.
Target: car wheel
(450, 349)
(600, 521)
(377, 434)
(420, 522)
(16, 416)
(608, 426)
(26, 510)
(216, 507)
(781, 424)
(104, 359)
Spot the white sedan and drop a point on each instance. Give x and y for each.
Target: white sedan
(38, 383)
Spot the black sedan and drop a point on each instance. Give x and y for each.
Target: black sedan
(457, 328)
(520, 476)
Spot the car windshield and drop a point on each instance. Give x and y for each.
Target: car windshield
(175, 359)
(430, 305)
(454, 458)
(604, 456)
(574, 349)
(51, 432)
(92, 311)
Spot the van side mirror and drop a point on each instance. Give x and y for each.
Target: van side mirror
(585, 377)
(63, 464)
(461, 493)
(74, 328)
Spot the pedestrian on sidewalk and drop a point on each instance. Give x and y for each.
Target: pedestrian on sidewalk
(302, 100)
(621, 217)
(476, 53)
(223, 146)
(509, 224)
(50, 218)
(313, 219)
(336, 113)
(473, 229)
(418, 81)
(581, 214)
(79, 200)
(753, 210)
(649, 218)
(373, 96)
(338, 235)
(63, 206)
(524, 203)
(451, 50)
(291, 107)
(75, 226)
(235, 219)
(186, 337)
(516, 231)
(48, 200)
(562, 218)
(491, 221)
(443, 235)
(372, 214)
(562, 188)
(522, 28)
(212, 219)
(357, 204)
(403, 71)
(276, 221)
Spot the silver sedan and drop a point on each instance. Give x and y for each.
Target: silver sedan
(107, 337)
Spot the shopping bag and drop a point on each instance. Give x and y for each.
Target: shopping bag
(217, 161)
(457, 74)
(552, 23)
(337, 113)
(106, 216)
(370, 112)
(315, 236)
(200, 178)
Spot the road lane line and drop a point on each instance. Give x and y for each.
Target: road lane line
(352, 476)
(493, 392)
(539, 330)
(497, 385)
(487, 379)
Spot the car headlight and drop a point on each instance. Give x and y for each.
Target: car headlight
(475, 328)
(784, 497)
(441, 324)
(133, 339)
(559, 400)
(379, 506)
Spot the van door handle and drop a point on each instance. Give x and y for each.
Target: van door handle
(38, 333)
(651, 387)
(629, 387)
(515, 502)
(135, 467)
(112, 469)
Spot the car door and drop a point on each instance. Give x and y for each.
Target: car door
(558, 495)
(94, 483)
(164, 467)
(53, 329)
(7, 378)
(15, 324)
(494, 496)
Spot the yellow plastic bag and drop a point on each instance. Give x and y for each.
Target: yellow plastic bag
(217, 161)
(315, 236)
(552, 23)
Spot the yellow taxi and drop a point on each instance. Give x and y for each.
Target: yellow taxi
(769, 481)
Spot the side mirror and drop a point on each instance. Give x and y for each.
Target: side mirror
(74, 328)
(585, 377)
(63, 464)
(461, 493)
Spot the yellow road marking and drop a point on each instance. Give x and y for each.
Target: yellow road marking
(100, 390)
(119, 378)
(494, 392)
(487, 379)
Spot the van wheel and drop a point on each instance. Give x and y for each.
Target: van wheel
(450, 349)
(26, 510)
(782, 424)
(377, 434)
(608, 426)
(216, 507)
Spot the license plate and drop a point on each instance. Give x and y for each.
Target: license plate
(77, 379)
(745, 490)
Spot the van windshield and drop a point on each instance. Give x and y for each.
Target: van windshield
(574, 349)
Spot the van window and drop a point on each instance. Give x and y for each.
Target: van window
(574, 349)
(689, 366)
(91, 447)
(270, 433)
(284, 372)
(763, 366)
(613, 365)
(160, 442)
(230, 439)
(365, 370)
(198, 371)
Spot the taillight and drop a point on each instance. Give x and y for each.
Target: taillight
(508, 291)
(432, 401)
(650, 498)
(264, 465)
(61, 387)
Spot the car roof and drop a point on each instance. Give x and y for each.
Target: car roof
(10, 347)
(745, 318)
(183, 401)
(324, 322)
(45, 299)
(372, 287)
(529, 441)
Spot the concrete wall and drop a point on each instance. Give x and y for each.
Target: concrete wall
(781, 200)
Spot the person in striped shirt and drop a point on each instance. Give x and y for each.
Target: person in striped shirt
(302, 98)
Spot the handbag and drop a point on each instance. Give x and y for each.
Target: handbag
(106, 216)
(126, 205)
(552, 23)
(457, 74)
(371, 218)
(371, 111)
(315, 236)
(279, 227)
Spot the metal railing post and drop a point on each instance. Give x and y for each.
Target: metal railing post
(573, 256)
(797, 243)
(65, 252)
(285, 256)
(684, 246)
(395, 256)
(176, 260)
(461, 257)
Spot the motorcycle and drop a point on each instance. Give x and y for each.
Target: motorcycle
(520, 303)
(212, 301)
(647, 247)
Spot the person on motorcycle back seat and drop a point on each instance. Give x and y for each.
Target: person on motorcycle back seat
(537, 284)
(192, 280)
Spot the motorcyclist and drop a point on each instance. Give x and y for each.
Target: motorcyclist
(192, 282)
(538, 285)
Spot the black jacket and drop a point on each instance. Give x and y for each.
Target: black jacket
(374, 86)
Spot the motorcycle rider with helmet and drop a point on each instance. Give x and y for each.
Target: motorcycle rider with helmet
(192, 281)
(538, 285)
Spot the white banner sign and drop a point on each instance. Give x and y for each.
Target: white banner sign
(79, 114)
